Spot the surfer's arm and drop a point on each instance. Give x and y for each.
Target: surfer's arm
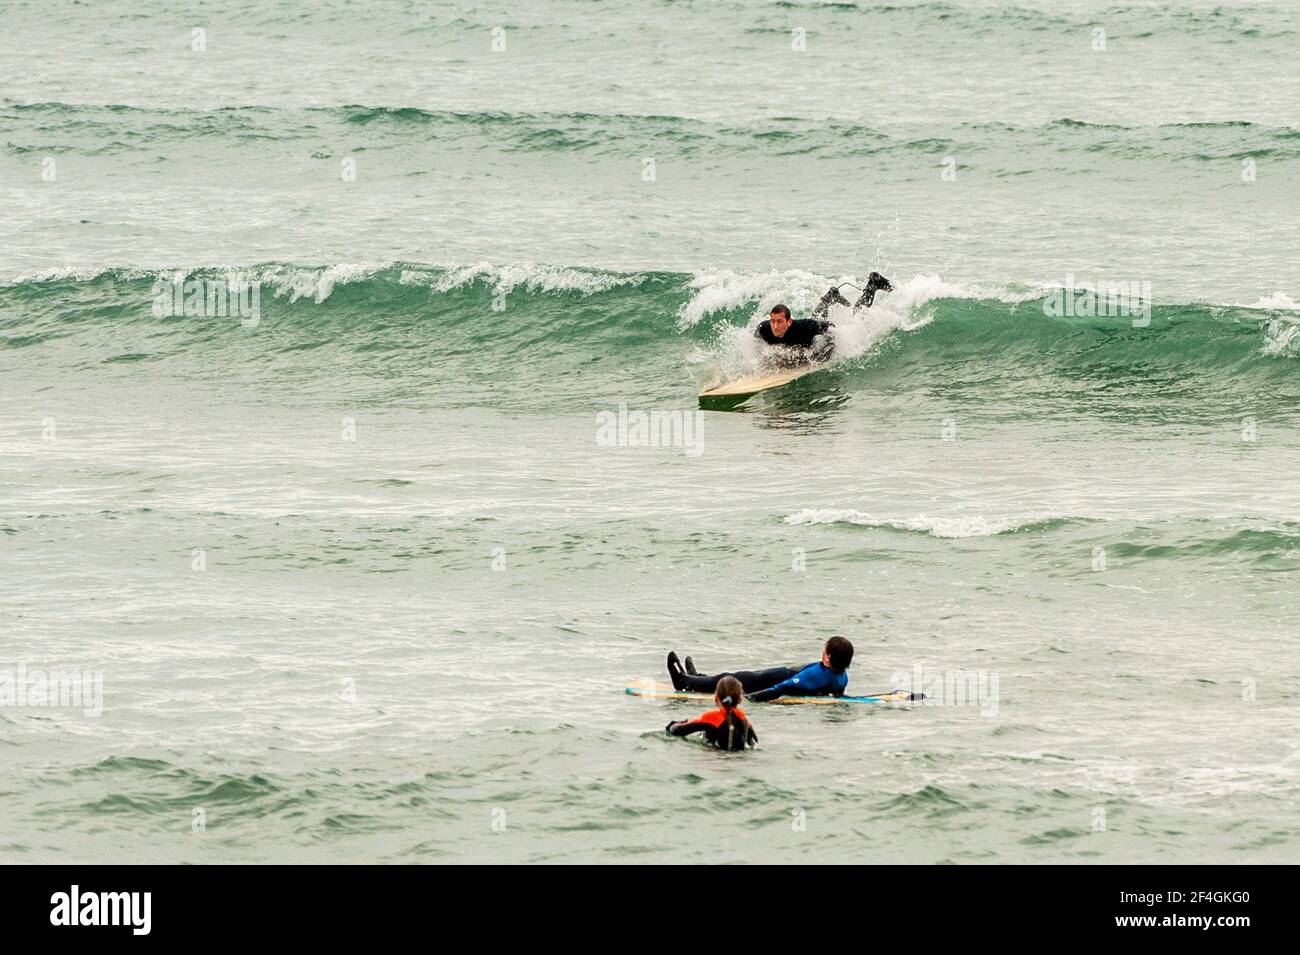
(685, 727)
(810, 681)
(784, 688)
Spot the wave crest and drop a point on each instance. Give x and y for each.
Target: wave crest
(952, 528)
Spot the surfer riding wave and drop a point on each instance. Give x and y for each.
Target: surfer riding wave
(807, 340)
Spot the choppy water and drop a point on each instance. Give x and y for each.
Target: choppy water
(363, 584)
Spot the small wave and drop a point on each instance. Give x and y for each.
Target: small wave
(1278, 301)
(531, 276)
(930, 800)
(1282, 338)
(316, 283)
(952, 528)
(77, 273)
(937, 324)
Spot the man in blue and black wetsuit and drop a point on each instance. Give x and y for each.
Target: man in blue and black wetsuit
(827, 677)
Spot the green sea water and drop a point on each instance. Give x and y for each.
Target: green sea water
(361, 576)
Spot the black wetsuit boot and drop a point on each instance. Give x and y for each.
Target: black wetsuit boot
(675, 671)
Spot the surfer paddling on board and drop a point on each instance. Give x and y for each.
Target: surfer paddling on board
(796, 342)
(804, 340)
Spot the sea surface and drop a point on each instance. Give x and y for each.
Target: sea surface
(363, 570)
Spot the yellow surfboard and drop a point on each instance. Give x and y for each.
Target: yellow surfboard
(733, 393)
(651, 690)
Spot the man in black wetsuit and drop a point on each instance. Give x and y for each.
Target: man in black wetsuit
(799, 341)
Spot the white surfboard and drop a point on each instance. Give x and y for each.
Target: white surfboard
(732, 393)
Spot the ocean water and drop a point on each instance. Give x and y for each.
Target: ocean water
(357, 574)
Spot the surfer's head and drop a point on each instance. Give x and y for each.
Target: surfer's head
(729, 693)
(779, 318)
(838, 654)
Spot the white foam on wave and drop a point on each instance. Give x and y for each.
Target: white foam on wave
(719, 290)
(78, 273)
(1282, 337)
(531, 276)
(1282, 333)
(314, 283)
(943, 527)
(1278, 301)
(319, 282)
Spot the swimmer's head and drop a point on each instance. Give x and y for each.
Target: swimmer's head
(838, 654)
(729, 693)
(779, 320)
